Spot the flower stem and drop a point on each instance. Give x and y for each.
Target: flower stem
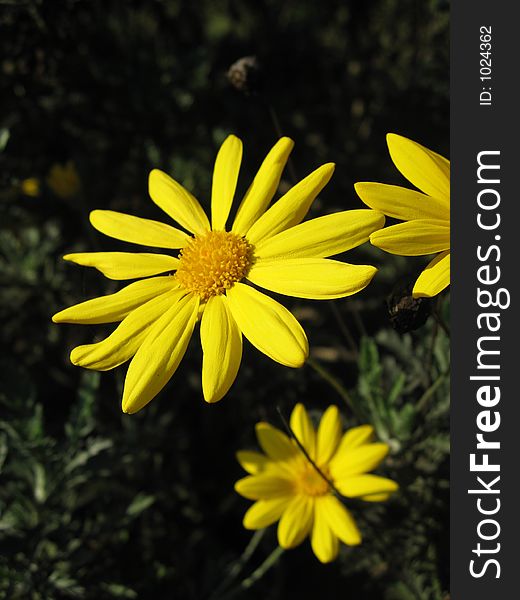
(429, 359)
(236, 567)
(276, 124)
(344, 329)
(334, 383)
(256, 575)
(437, 315)
(425, 398)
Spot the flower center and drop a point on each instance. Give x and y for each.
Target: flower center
(311, 483)
(213, 262)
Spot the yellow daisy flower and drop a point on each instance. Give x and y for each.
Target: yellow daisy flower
(427, 215)
(31, 187)
(268, 247)
(287, 486)
(63, 180)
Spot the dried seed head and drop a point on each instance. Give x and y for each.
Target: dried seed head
(406, 312)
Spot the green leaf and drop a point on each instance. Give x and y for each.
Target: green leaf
(139, 504)
(119, 591)
(4, 138)
(40, 491)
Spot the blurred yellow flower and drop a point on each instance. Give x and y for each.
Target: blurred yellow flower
(427, 214)
(268, 247)
(63, 180)
(287, 486)
(30, 187)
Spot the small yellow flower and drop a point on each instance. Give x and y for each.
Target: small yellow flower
(427, 214)
(267, 247)
(287, 487)
(30, 187)
(63, 180)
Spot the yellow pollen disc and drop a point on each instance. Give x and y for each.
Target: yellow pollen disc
(311, 483)
(213, 262)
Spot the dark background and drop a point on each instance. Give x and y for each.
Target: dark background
(97, 504)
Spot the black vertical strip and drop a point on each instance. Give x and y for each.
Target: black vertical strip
(485, 119)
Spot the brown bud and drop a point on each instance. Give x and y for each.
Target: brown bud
(244, 75)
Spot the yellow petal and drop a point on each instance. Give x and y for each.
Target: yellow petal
(222, 349)
(160, 354)
(275, 443)
(314, 278)
(292, 207)
(329, 435)
(268, 325)
(375, 497)
(402, 203)
(339, 520)
(324, 236)
(265, 512)
(264, 186)
(296, 522)
(124, 342)
(413, 238)
(252, 462)
(355, 437)
(264, 486)
(323, 540)
(361, 459)
(115, 307)
(225, 176)
(177, 202)
(434, 278)
(125, 265)
(137, 230)
(303, 429)
(364, 485)
(427, 170)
